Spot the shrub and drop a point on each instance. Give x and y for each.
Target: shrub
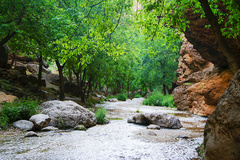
(20, 109)
(158, 99)
(3, 121)
(137, 96)
(100, 115)
(122, 97)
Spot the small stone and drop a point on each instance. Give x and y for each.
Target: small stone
(153, 126)
(31, 134)
(49, 128)
(80, 128)
(23, 125)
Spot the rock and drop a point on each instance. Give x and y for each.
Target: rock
(162, 120)
(6, 98)
(204, 40)
(49, 128)
(222, 130)
(201, 84)
(130, 120)
(80, 128)
(40, 121)
(23, 125)
(53, 78)
(68, 114)
(101, 96)
(153, 126)
(31, 134)
(113, 100)
(34, 68)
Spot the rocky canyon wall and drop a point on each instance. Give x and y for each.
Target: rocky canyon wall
(203, 78)
(201, 84)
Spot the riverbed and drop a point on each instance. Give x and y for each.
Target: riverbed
(117, 140)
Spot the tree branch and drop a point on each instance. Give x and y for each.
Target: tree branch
(117, 24)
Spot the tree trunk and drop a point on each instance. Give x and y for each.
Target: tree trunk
(40, 70)
(232, 59)
(61, 85)
(70, 75)
(164, 89)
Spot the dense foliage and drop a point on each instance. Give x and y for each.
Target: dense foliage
(21, 109)
(113, 46)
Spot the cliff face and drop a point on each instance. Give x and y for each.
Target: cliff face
(201, 84)
(202, 91)
(204, 41)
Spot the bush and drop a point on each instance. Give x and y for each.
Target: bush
(137, 96)
(18, 110)
(122, 97)
(3, 121)
(158, 99)
(100, 115)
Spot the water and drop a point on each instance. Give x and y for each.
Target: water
(117, 140)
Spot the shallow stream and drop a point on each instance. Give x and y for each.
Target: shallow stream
(117, 140)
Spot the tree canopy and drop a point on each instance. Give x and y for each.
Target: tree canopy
(122, 45)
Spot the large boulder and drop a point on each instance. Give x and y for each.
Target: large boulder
(40, 121)
(222, 130)
(162, 120)
(68, 114)
(23, 125)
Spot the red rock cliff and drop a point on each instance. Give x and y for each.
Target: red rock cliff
(201, 84)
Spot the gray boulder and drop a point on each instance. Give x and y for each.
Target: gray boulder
(40, 121)
(68, 114)
(162, 120)
(222, 130)
(23, 125)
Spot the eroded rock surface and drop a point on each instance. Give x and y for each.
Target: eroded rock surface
(68, 114)
(222, 131)
(201, 84)
(162, 120)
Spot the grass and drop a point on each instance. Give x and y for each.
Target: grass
(21, 109)
(158, 99)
